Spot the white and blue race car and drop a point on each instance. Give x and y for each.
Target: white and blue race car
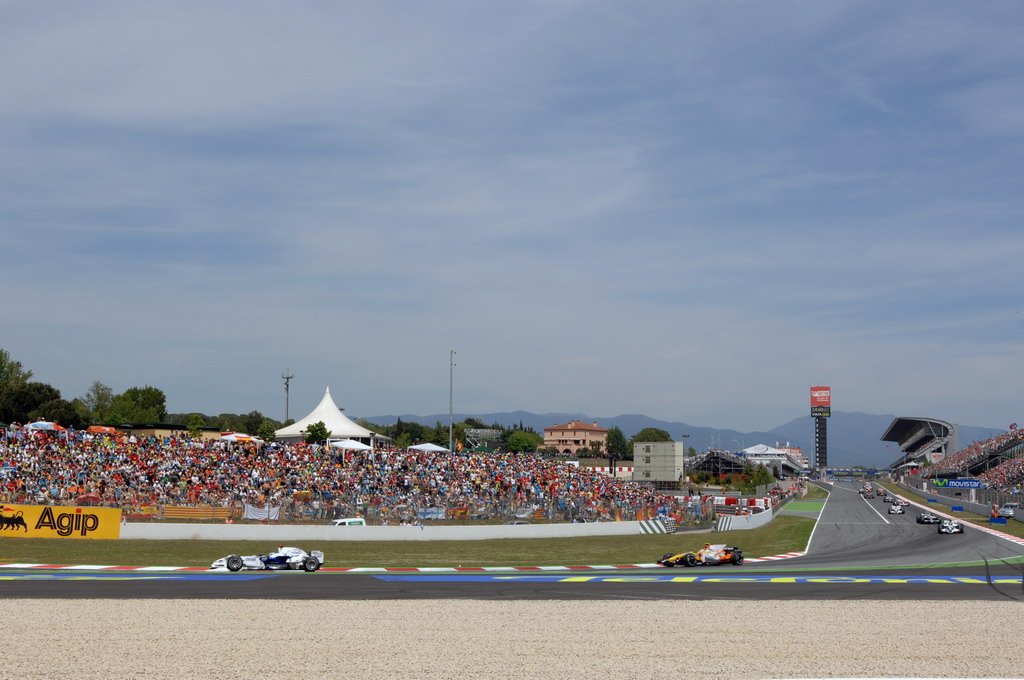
(282, 558)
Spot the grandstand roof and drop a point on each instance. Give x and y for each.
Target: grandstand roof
(920, 439)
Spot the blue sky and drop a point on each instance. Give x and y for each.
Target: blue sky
(690, 210)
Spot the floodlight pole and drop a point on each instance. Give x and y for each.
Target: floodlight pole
(684, 437)
(286, 376)
(451, 382)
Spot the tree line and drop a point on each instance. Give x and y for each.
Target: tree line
(23, 400)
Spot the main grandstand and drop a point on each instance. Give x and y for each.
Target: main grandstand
(931, 446)
(922, 442)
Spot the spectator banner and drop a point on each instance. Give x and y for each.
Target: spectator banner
(265, 513)
(46, 521)
(432, 513)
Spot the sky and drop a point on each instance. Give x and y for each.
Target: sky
(689, 210)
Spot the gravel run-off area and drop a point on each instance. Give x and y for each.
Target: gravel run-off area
(655, 639)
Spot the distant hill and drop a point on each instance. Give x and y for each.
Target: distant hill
(853, 438)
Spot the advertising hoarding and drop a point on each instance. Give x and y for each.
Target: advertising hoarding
(821, 401)
(47, 521)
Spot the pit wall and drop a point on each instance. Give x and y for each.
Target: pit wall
(291, 533)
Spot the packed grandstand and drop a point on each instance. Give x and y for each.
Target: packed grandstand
(145, 474)
(998, 462)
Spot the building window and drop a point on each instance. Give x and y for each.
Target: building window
(647, 459)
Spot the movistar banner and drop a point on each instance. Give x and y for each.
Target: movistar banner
(958, 483)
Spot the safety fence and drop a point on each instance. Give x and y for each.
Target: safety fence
(323, 510)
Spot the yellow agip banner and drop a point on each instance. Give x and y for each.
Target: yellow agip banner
(46, 521)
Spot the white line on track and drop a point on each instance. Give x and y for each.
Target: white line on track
(875, 510)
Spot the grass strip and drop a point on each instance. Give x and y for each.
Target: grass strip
(784, 534)
(815, 492)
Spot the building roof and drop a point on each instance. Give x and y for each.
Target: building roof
(577, 425)
(338, 424)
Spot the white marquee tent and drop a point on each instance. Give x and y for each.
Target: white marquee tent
(338, 424)
(427, 447)
(349, 445)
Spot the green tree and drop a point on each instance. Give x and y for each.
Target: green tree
(59, 411)
(97, 400)
(11, 371)
(267, 431)
(251, 422)
(522, 441)
(618, 447)
(20, 400)
(140, 405)
(652, 434)
(196, 423)
(316, 433)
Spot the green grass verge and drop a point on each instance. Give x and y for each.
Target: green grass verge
(784, 534)
(815, 492)
(1012, 527)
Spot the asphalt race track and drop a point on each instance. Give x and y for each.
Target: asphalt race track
(857, 551)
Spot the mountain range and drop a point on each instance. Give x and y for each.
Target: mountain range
(853, 438)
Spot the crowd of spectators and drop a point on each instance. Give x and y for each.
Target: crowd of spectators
(960, 462)
(308, 482)
(1008, 476)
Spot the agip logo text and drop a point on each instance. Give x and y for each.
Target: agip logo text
(45, 521)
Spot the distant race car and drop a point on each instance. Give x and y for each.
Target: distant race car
(282, 558)
(709, 555)
(928, 518)
(951, 526)
(895, 509)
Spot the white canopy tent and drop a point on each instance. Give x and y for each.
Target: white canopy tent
(338, 424)
(349, 445)
(433, 448)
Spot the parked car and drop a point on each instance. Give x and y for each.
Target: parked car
(349, 522)
(1008, 510)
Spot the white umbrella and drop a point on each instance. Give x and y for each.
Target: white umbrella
(350, 445)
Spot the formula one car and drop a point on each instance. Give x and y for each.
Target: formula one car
(282, 558)
(896, 509)
(951, 526)
(709, 555)
(928, 518)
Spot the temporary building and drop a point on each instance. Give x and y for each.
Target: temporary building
(338, 424)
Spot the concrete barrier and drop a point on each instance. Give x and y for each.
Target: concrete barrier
(277, 533)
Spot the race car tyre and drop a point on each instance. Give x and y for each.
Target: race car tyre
(737, 558)
(689, 560)
(310, 563)
(233, 563)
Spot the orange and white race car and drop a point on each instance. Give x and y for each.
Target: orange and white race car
(710, 554)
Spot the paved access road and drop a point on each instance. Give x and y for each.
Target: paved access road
(857, 551)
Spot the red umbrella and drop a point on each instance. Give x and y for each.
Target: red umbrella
(88, 499)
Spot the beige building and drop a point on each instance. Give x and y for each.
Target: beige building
(574, 435)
